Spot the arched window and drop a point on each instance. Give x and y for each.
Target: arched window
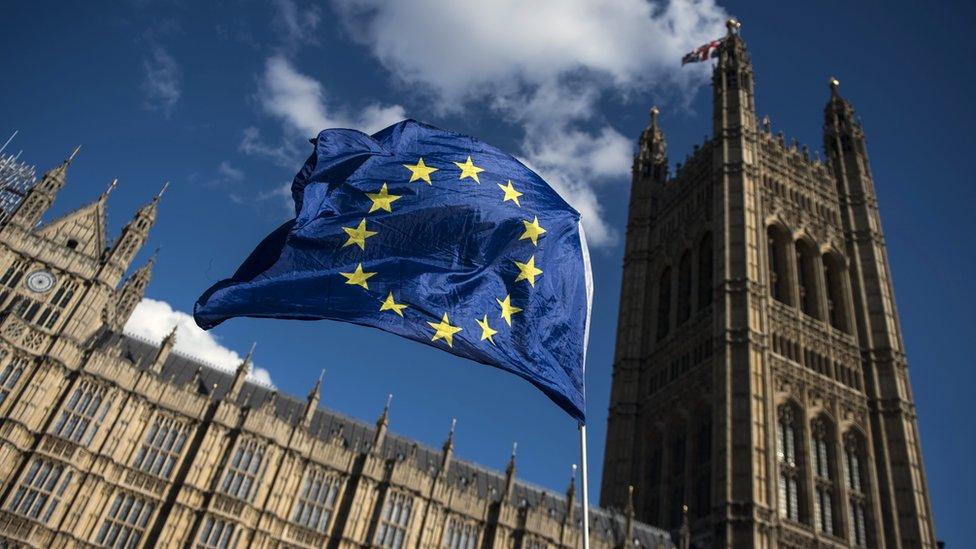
(653, 506)
(822, 454)
(684, 288)
(705, 266)
(703, 465)
(856, 478)
(664, 304)
(787, 456)
(780, 285)
(835, 278)
(806, 270)
(679, 443)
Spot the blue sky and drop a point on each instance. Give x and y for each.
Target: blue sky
(219, 98)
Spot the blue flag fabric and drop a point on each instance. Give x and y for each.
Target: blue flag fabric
(434, 236)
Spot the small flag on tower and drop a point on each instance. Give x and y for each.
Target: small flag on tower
(702, 53)
(434, 236)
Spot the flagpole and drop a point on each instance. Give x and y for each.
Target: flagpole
(586, 499)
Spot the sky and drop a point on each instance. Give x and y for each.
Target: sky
(219, 98)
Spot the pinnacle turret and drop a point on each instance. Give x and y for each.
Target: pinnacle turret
(165, 348)
(652, 151)
(312, 402)
(381, 425)
(240, 375)
(510, 473)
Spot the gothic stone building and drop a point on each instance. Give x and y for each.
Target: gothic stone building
(113, 442)
(760, 374)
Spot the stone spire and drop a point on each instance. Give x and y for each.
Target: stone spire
(108, 191)
(734, 104)
(510, 473)
(684, 534)
(652, 152)
(629, 512)
(381, 425)
(133, 237)
(240, 375)
(312, 402)
(571, 496)
(165, 348)
(40, 197)
(448, 449)
(131, 294)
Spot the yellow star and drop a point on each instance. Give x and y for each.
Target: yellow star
(508, 309)
(391, 305)
(358, 235)
(510, 193)
(532, 231)
(420, 171)
(444, 330)
(358, 277)
(486, 330)
(528, 271)
(382, 200)
(468, 169)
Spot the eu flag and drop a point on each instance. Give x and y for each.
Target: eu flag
(434, 236)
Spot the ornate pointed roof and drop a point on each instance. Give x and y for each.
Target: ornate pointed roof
(82, 230)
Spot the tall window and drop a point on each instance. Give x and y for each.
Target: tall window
(678, 456)
(664, 304)
(11, 277)
(789, 470)
(703, 466)
(856, 488)
(10, 375)
(40, 490)
(244, 470)
(779, 254)
(316, 499)
(834, 278)
(392, 531)
(56, 304)
(217, 533)
(162, 447)
(806, 269)
(82, 413)
(822, 454)
(705, 267)
(684, 287)
(126, 522)
(654, 482)
(461, 534)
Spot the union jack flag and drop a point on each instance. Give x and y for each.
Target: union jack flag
(702, 53)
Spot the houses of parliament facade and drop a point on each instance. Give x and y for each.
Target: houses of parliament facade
(760, 376)
(760, 394)
(110, 441)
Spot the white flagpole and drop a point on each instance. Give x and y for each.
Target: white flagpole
(586, 499)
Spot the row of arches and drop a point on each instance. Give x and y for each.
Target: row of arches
(693, 273)
(801, 276)
(822, 475)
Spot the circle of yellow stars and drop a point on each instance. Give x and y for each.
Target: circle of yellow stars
(382, 200)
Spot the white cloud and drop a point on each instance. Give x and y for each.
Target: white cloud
(229, 172)
(299, 101)
(545, 65)
(153, 320)
(284, 155)
(161, 82)
(297, 26)
(281, 195)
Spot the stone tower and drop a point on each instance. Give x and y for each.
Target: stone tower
(760, 376)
